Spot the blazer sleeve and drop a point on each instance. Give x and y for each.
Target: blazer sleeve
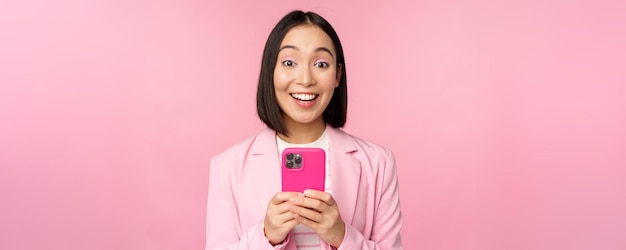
(387, 218)
(223, 228)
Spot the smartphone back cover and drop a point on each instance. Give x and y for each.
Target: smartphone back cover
(309, 174)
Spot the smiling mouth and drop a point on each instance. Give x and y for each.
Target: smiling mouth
(304, 97)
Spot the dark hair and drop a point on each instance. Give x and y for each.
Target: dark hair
(266, 104)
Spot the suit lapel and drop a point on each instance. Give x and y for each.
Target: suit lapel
(345, 172)
(264, 164)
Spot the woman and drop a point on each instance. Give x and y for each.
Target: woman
(302, 98)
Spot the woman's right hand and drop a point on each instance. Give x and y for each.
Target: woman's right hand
(278, 219)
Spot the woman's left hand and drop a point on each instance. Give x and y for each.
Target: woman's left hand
(318, 211)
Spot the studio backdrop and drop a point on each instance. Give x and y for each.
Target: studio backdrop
(507, 118)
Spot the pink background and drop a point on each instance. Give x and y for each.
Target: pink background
(507, 119)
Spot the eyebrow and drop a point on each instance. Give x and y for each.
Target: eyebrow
(316, 50)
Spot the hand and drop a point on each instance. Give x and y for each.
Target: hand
(318, 211)
(278, 219)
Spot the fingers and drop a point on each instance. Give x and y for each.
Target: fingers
(318, 210)
(278, 219)
(307, 202)
(313, 205)
(306, 222)
(310, 214)
(281, 197)
(319, 195)
(313, 199)
(278, 209)
(283, 218)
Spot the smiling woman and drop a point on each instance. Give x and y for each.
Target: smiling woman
(302, 98)
(305, 77)
(288, 56)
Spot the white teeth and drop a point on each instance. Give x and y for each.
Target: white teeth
(304, 97)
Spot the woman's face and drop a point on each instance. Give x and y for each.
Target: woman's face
(306, 74)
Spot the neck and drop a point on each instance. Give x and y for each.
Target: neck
(303, 133)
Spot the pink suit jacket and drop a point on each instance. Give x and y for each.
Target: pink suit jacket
(244, 178)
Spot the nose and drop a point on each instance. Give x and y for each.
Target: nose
(305, 76)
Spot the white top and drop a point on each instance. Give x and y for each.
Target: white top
(305, 237)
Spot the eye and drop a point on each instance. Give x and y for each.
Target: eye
(289, 63)
(321, 64)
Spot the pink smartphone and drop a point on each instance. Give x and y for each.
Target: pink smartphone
(303, 168)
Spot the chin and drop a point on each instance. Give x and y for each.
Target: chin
(305, 119)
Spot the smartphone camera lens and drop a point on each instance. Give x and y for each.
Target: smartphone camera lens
(293, 160)
(298, 159)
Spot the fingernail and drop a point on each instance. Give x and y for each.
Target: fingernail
(300, 194)
(307, 192)
(293, 199)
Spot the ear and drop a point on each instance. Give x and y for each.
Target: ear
(339, 71)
